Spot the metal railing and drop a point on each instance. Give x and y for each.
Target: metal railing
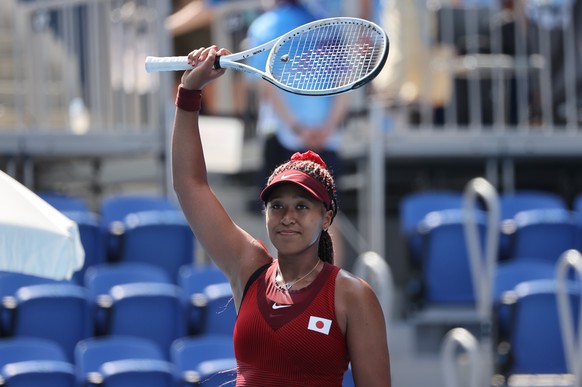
(571, 334)
(76, 66)
(73, 84)
(510, 66)
(463, 339)
(479, 81)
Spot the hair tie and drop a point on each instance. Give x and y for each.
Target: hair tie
(309, 156)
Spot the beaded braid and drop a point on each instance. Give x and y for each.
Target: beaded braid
(311, 164)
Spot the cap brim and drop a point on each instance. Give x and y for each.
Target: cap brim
(301, 179)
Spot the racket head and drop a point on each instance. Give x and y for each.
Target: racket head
(328, 56)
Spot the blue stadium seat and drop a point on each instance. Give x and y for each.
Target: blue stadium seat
(218, 310)
(137, 372)
(17, 349)
(147, 309)
(192, 279)
(446, 268)
(10, 282)
(188, 353)
(115, 208)
(160, 237)
(58, 312)
(100, 279)
(507, 276)
(92, 240)
(543, 233)
(535, 336)
(512, 203)
(92, 353)
(30, 361)
(44, 373)
(88, 222)
(511, 273)
(414, 207)
(522, 200)
(577, 207)
(64, 202)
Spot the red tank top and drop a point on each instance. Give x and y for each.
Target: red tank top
(290, 339)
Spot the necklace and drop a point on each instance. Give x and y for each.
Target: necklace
(288, 285)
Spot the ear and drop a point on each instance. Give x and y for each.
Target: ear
(327, 219)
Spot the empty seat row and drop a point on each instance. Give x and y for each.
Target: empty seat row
(535, 229)
(136, 227)
(524, 215)
(118, 360)
(122, 299)
(122, 361)
(533, 226)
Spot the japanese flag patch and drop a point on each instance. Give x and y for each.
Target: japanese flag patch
(318, 324)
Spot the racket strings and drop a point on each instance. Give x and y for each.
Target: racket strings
(328, 57)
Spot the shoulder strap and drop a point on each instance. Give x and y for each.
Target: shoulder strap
(253, 278)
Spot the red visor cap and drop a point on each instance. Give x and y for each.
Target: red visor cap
(302, 179)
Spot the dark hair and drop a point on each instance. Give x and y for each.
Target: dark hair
(311, 164)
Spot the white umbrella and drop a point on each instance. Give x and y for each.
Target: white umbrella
(35, 238)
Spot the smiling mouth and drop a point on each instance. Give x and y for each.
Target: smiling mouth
(287, 232)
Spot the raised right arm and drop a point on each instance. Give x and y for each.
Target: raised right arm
(236, 252)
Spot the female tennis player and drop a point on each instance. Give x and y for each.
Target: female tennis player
(301, 319)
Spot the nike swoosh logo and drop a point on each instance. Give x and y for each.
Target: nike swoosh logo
(277, 306)
(285, 177)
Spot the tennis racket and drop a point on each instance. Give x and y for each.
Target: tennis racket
(324, 57)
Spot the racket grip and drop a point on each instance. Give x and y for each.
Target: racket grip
(168, 63)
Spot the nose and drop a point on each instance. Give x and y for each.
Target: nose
(288, 218)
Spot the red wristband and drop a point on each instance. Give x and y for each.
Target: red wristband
(189, 100)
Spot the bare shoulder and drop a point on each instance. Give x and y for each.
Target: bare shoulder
(351, 287)
(360, 317)
(354, 298)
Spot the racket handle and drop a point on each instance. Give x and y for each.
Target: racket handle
(168, 63)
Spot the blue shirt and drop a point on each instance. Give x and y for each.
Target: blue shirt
(309, 111)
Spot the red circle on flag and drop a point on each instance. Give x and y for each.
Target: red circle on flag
(319, 324)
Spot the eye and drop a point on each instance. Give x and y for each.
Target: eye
(275, 206)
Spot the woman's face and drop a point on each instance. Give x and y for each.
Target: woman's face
(295, 219)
